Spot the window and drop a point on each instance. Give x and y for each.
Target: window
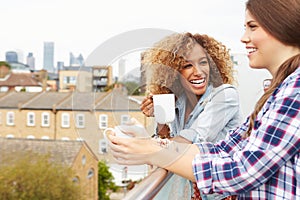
(65, 120)
(45, 137)
(83, 160)
(80, 120)
(76, 180)
(30, 119)
(4, 89)
(70, 80)
(45, 119)
(102, 146)
(90, 173)
(10, 118)
(65, 139)
(103, 121)
(125, 119)
(30, 137)
(10, 136)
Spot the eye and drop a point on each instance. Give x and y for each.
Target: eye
(203, 63)
(187, 66)
(252, 26)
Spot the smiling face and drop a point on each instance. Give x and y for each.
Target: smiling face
(263, 50)
(195, 71)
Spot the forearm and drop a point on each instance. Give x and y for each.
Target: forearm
(183, 165)
(180, 139)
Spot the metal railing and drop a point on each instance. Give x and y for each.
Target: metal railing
(150, 186)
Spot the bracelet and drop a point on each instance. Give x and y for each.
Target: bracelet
(164, 143)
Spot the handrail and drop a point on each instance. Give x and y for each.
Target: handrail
(150, 186)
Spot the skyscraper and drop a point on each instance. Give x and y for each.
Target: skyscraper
(122, 66)
(60, 65)
(11, 56)
(49, 56)
(31, 61)
(76, 61)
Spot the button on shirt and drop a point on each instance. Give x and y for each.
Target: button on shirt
(265, 165)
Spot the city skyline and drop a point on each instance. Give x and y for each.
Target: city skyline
(81, 26)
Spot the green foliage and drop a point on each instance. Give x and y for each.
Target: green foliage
(31, 176)
(105, 181)
(132, 87)
(3, 63)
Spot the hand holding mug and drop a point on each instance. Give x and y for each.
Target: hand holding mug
(147, 106)
(116, 132)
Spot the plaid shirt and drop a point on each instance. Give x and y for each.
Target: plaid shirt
(265, 165)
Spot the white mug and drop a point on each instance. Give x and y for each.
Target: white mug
(117, 132)
(164, 108)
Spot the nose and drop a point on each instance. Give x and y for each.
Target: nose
(245, 38)
(197, 70)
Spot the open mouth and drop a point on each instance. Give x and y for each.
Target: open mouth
(251, 50)
(198, 81)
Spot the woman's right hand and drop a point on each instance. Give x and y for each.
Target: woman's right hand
(147, 106)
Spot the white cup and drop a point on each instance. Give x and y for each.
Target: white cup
(117, 132)
(164, 108)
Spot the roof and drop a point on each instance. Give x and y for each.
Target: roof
(117, 101)
(80, 101)
(77, 68)
(14, 99)
(76, 101)
(136, 98)
(61, 151)
(2, 94)
(46, 100)
(19, 79)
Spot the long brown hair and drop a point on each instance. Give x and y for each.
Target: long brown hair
(281, 19)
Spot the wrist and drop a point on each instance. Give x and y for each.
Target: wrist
(162, 142)
(163, 131)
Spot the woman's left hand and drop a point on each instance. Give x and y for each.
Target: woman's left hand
(136, 151)
(133, 151)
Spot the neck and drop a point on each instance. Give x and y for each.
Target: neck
(285, 55)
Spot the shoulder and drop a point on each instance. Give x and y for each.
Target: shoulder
(225, 89)
(290, 85)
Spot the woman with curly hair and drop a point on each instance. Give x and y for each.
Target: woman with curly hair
(199, 71)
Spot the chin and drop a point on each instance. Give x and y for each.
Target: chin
(256, 66)
(199, 93)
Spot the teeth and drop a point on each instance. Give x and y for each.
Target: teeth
(251, 50)
(197, 81)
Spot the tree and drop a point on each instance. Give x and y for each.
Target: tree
(105, 181)
(132, 87)
(32, 176)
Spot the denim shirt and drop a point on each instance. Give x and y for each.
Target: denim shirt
(216, 112)
(219, 112)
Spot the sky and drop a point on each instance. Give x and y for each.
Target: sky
(80, 26)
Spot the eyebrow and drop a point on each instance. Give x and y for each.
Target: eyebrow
(250, 21)
(202, 58)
